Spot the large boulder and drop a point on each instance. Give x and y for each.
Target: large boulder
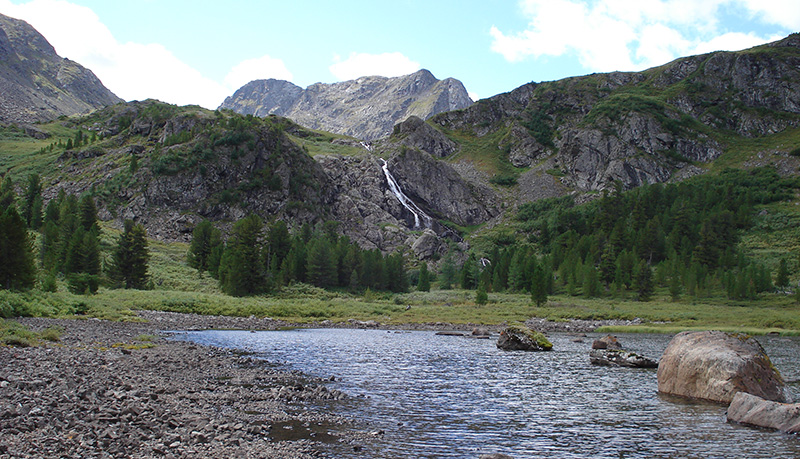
(755, 411)
(523, 339)
(714, 366)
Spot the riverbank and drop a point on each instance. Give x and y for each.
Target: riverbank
(121, 389)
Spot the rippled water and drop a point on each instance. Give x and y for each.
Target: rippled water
(443, 396)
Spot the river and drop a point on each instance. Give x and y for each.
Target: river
(457, 397)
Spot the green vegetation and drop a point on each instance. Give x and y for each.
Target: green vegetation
(14, 334)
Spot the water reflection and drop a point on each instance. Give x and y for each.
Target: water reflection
(443, 396)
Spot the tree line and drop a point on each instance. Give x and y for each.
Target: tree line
(68, 243)
(680, 236)
(258, 258)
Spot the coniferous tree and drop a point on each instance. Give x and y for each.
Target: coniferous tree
(32, 203)
(130, 257)
(481, 297)
(18, 269)
(448, 273)
(782, 279)
(204, 250)
(241, 268)
(539, 285)
(321, 266)
(424, 283)
(644, 282)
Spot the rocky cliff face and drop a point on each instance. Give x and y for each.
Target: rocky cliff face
(38, 85)
(366, 108)
(637, 128)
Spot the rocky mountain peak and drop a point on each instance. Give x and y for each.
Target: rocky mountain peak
(366, 108)
(37, 84)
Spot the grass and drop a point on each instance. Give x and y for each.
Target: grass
(14, 334)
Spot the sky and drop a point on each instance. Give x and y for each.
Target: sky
(201, 51)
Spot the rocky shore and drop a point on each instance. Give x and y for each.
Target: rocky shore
(121, 389)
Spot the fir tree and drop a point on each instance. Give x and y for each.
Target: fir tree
(481, 297)
(321, 266)
(32, 203)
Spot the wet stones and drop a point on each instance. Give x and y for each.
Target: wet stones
(523, 339)
(607, 351)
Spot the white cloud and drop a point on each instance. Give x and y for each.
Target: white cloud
(610, 35)
(133, 71)
(363, 64)
(256, 69)
(474, 96)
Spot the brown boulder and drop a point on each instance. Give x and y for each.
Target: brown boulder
(714, 366)
(607, 342)
(755, 411)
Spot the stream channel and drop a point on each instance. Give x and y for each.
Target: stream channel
(458, 397)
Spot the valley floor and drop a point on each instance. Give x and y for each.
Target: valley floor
(121, 389)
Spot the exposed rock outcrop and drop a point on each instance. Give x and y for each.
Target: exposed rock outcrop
(752, 410)
(366, 108)
(714, 366)
(620, 358)
(36, 84)
(523, 339)
(642, 127)
(607, 351)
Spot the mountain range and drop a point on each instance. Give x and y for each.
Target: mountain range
(366, 108)
(468, 169)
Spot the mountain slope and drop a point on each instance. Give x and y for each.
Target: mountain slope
(669, 122)
(38, 85)
(366, 108)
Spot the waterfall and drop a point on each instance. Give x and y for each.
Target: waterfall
(404, 200)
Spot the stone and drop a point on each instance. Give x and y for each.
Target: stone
(714, 366)
(523, 339)
(752, 410)
(607, 342)
(621, 358)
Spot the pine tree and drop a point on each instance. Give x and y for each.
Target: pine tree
(130, 257)
(447, 276)
(591, 282)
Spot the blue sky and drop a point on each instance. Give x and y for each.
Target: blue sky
(199, 52)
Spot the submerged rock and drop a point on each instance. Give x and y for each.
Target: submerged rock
(755, 411)
(523, 339)
(619, 357)
(714, 366)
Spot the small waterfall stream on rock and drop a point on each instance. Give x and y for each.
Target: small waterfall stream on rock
(404, 200)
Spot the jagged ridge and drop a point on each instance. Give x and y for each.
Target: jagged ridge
(366, 108)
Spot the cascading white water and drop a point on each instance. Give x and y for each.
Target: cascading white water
(404, 200)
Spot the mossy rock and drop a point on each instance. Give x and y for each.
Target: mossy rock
(523, 339)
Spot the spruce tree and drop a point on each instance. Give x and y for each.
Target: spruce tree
(539, 286)
(130, 257)
(321, 266)
(242, 270)
(424, 283)
(644, 282)
(18, 269)
(782, 279)
(204, 250)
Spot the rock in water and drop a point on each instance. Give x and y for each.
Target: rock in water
(714, 366)
(523, 339)
(607, 342)
(618, 357)
(755, 411)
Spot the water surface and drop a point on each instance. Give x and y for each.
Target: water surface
(453, 397)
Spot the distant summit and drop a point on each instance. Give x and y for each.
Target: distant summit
(38, 85)
(366, 108)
